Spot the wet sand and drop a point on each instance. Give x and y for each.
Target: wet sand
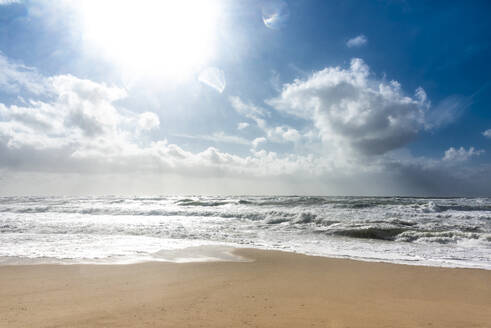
(274, 290)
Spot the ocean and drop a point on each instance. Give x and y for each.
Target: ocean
(448, 232)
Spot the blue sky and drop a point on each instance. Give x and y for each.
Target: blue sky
(245, 97)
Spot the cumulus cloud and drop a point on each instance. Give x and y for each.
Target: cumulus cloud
(75, 117)
(148, 121)
(78, 129)
(242, 125)
(487, 133)
(353, 110)
(86, 104)
(282, 134)
(78, 109)
(357, 41)
(459, 155)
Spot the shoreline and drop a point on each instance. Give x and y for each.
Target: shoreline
(275, 289)
(212, 253)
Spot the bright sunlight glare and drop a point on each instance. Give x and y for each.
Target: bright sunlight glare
(168, 38)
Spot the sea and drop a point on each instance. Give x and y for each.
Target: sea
(443, 232)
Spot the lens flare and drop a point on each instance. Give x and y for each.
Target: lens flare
(275, 14)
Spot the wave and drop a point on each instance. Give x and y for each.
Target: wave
(398, 234)
(266, 216)
(201, 203)
(420, 204)
(354, 217)
(433, 207)
(441, 237)
(369, 232)
(294, 201)
(35, 209)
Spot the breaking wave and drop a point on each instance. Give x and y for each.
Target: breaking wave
(387, 228)
(382, 233)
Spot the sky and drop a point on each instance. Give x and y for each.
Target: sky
(245, 97)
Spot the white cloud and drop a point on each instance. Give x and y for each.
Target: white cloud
(277, 134)
(8, 2)
(15, 78)
(148, 121)
(213, 77)
(87, 105)
(222, 137)
(77, 111)
(283, 133)
(354, 111)
(487, 133)
(242, 125)
(460, 154)
(71, 88)
(258, 141)
(357, 41)
(80, 130)
(77, 128)
(446, 112)
(75, 117)
(255, 113)
(219, 137)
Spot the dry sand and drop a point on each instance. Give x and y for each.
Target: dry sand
(275, 290)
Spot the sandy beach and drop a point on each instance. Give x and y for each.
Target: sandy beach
(274, 289)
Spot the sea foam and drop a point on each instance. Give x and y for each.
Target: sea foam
(441, 232)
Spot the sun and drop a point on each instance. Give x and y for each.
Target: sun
(168, 38)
